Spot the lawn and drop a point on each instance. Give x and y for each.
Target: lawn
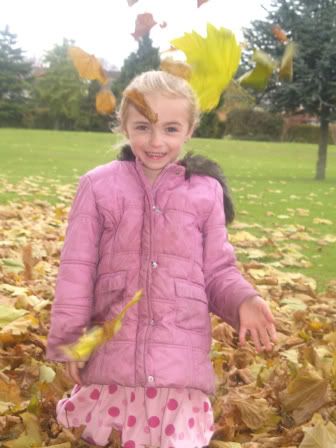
(272, 185)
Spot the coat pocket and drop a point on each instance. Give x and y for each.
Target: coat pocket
(192, 311)
(109, 295)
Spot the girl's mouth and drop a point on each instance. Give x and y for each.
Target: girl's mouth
(155, 155)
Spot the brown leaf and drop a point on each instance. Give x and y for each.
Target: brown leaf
(139, 102)
(143, 24)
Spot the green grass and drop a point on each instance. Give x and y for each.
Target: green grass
(269, 181)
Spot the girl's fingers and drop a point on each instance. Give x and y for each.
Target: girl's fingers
(255, 339)
(265, 339)
(242, 335)
(73, 372)
(272, 333)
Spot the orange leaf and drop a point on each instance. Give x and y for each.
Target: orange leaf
(105, 102)
(139, 102)
(143, 24)
(279, 33)
(200, 2)
(87, 65)
(177, 68)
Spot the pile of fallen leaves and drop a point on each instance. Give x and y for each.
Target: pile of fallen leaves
(282, 399)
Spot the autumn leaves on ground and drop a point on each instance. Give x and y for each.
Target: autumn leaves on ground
(285, 238)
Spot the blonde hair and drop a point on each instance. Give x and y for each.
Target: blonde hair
(165, 83)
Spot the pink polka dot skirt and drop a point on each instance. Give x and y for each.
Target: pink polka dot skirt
(153, 417)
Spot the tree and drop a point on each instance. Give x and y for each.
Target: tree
(59, 92)
(312, 25)
(145, 58)
(14, 76)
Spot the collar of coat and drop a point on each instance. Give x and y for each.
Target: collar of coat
(196, 164)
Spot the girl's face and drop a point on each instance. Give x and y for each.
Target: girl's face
(160, 143)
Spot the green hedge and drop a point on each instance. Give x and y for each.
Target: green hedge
(305, 133)
(248, 124)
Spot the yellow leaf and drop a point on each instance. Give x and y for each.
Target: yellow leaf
(305, 394)
(321, 435)
(176, 68)
(98, 335)
(87, 65)
(214, 60)
(8, 314)
(258, 77)
(286, 65)
(31, 437)
(105, 102)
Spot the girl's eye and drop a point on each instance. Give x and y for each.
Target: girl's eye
(171, 129)
(141, 127)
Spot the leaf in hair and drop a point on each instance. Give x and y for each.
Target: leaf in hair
(87, 65)
(177, 68)
(143, 24)
(139, 102)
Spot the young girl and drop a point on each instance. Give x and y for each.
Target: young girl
(150, 222)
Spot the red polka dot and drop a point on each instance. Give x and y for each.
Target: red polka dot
(69, 406)
(206, 406)
(153, 421)
(88, 418)
(151, 392)
(114, 411)
(191, 422)
(132, 396)
(129, 444)
(170, 429)
(131, 420)
(112, 388)
(172, 404)
(95, 394)
(196, 409)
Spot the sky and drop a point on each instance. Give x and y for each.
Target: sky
(104, 27)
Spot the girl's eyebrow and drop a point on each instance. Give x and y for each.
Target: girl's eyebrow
(174, 123)
(140, 122)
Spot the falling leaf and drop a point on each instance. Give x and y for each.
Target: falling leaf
(214, 60)
(286, 65)
(258, 77)
(143, 24)
(87, 65)
(98, 335)
(105, 102)
(163, 24)
(139, 102)
(176, 68)
(131, 2)
(235, 97)
(200, 2)
(279, 33)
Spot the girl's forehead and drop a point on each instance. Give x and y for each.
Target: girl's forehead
(167, 108)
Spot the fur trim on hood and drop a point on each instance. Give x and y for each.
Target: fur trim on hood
(200, 165)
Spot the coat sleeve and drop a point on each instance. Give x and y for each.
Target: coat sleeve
(71, 309)
(225, 286)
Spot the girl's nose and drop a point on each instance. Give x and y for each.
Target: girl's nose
(155, 138)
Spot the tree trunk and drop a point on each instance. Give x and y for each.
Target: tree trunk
(323, 146)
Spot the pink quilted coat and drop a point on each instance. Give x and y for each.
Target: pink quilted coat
(168, 239)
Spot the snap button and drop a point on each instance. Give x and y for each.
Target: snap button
(150, 379)
(152, 322)
(156, 209)
(154, 264)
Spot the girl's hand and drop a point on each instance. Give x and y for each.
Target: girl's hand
(256, 318)
(72, 370)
